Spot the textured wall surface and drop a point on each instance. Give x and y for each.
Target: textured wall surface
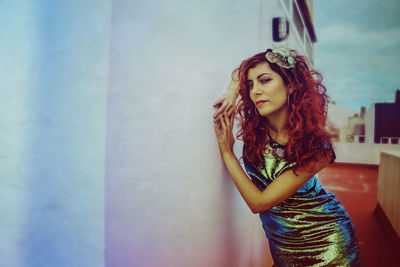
(108, 150)
(169, 201)
(53, 74)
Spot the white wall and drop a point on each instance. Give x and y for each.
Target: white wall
(370, 125)
(53, 77)
(361, 153)
(169, 200)
(137, 79)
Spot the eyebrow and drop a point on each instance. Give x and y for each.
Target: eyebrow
(260, 76)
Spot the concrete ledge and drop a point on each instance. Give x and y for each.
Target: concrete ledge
(392, 153)
(389, 187)
(388, 232)
(361, 153)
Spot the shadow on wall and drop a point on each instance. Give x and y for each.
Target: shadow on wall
(65, 200)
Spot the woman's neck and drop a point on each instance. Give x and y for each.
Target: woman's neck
(278, 125)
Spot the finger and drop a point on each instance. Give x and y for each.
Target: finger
(218, 102)
(223, 124)
(231, 120)
(230, 110)
(217, 128)
(230, 114)
(217, 123)
(220, 110)
(223, 106)
(227, 121)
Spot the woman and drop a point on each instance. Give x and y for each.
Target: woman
(282, 115)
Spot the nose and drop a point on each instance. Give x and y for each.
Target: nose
(257, 89)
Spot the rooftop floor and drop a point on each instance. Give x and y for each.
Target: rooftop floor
(356, 187)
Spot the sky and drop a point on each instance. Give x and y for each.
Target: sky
(357, 50)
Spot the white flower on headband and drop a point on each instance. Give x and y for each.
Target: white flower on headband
(282, 50)
(281, 56)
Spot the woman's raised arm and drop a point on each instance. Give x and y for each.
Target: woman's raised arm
(279, 190)
(227, 102)
(285, 186)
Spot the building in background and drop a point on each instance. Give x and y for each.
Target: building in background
(383, 122)
(355, 128)
(380, 125)
(301, 29)
(338, 121)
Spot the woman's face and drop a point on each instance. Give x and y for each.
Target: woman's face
(267, 90)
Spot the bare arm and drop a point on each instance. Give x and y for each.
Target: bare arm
(279, 190)
(227, 102)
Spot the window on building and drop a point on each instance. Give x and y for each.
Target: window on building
(394, 140)
(309, 50)
(287, 4)
(361, 139)
(384, 140)
(297, 21)
(349, 138)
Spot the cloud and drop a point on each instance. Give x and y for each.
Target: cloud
(357, 50)
(359, 66)
(352, 34)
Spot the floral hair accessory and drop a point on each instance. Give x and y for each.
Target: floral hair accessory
(281, 56)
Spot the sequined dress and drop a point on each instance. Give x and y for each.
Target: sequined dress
(310, 228)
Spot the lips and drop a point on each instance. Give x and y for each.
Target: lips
(259, 103)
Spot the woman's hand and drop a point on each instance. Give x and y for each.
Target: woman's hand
(227, 102)
(223, 130)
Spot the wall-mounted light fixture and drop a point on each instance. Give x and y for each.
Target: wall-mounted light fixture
(280, 29)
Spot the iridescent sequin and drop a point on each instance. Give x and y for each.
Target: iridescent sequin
(311, 228)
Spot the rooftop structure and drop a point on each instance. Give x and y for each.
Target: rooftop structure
(383, 122)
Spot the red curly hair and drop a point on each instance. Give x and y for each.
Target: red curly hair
(307, 115)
